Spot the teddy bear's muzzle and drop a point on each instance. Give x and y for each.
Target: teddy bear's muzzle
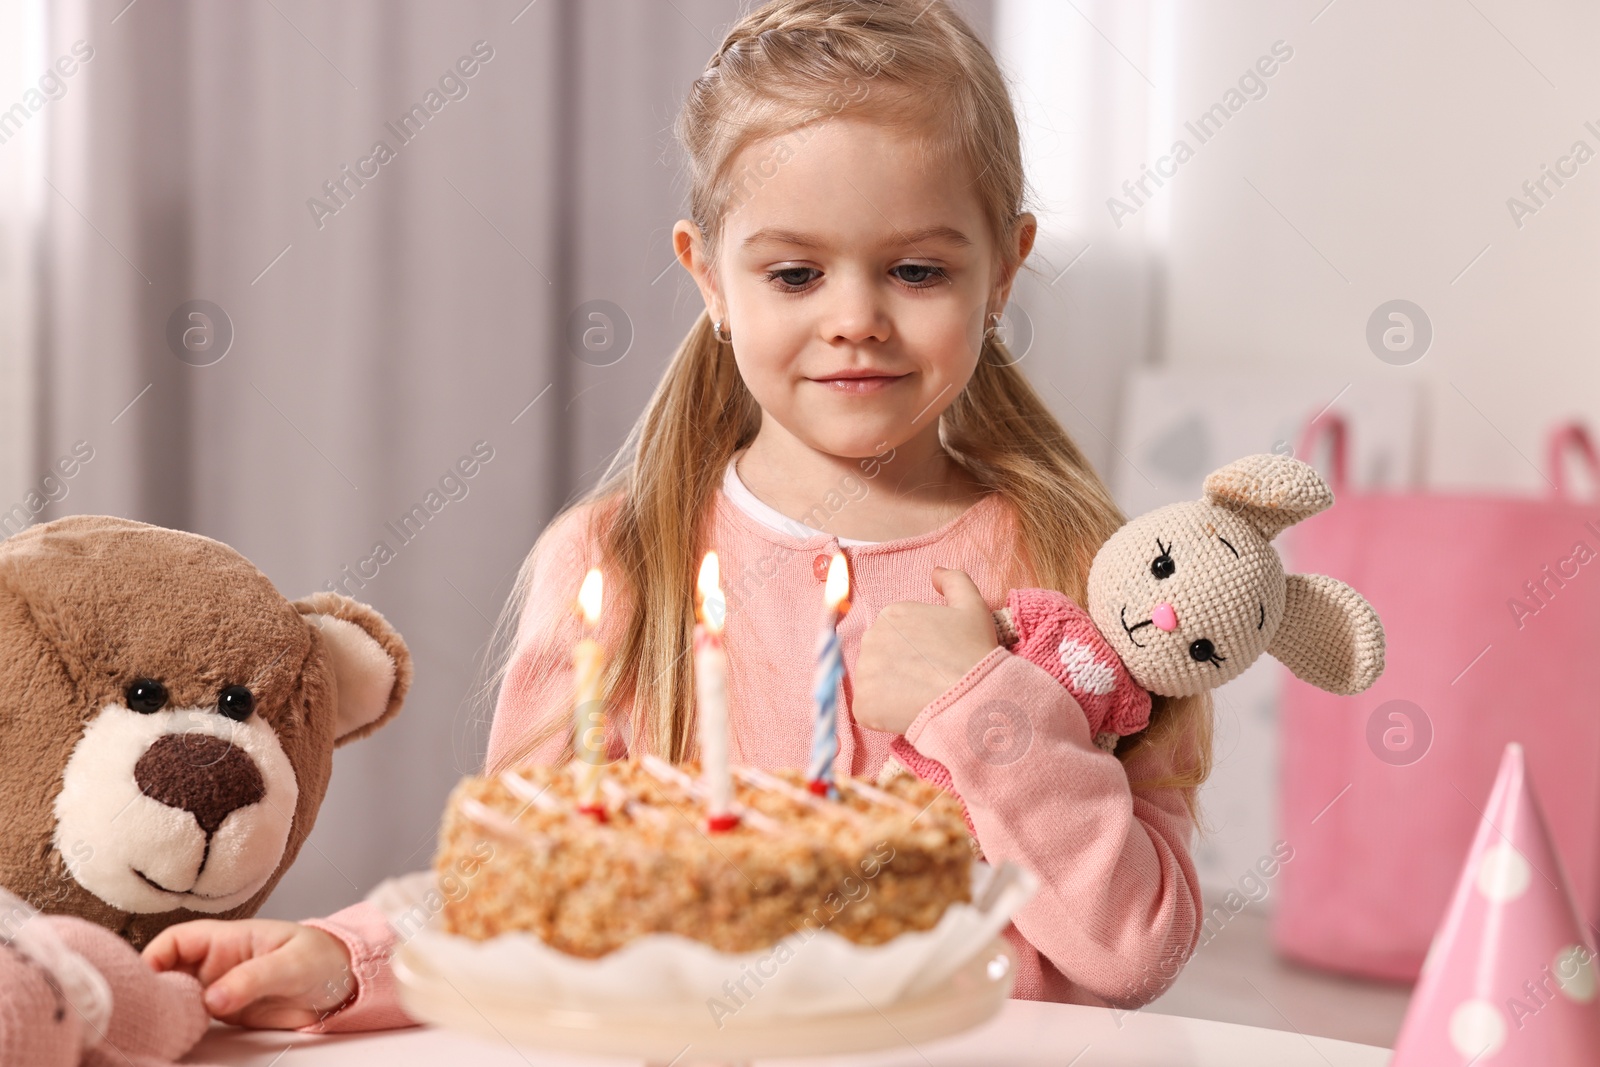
(178, 808)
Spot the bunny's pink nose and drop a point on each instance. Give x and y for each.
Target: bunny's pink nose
(1164, 617)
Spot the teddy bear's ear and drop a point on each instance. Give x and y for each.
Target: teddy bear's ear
(370, 662)
(1330, 636)
(1271, 492)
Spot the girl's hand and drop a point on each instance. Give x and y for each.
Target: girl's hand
(258, 972)
(912, 652)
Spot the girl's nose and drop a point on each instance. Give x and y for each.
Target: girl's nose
(856, 315)
(1164, 617)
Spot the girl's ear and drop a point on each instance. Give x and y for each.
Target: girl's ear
(1269, 491)
(1330, 636)
(689, 246)
(370, 662)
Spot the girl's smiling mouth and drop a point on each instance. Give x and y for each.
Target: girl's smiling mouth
(865, 380)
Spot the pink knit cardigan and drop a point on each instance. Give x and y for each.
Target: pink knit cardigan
(1118, 911)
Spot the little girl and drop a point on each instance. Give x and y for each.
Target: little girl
(857, 226)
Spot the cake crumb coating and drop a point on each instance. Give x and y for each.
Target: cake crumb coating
(869, 865)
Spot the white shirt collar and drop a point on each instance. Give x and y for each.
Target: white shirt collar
(768, 515)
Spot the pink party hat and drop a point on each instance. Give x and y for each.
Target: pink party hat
(1510, 979)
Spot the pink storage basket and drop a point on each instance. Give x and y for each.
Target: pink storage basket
(1381, 793)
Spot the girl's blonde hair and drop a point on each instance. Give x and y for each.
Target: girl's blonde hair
(917, 65)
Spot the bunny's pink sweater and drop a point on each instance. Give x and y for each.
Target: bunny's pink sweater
(1118, 911)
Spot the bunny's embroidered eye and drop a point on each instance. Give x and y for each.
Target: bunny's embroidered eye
(1203, 651)
(146, 696)
(1163, 566)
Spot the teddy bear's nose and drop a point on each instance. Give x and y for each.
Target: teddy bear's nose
(1164, 617)
(206, 776)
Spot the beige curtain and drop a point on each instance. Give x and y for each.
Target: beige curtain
(1092, 82)
(418, 315)
(23, 125)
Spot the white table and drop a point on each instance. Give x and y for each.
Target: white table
(1025, 1032)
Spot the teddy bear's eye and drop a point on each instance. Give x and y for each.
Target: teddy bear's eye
(1203, 651)
(236, 702)
(1163, 566)
(146, 696)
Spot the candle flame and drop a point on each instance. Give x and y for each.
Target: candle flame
(837, 592)
(589, 596)
(713, 605)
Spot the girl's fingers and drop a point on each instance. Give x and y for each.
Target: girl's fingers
(163, 953)
(256, 972)
(272, 974)
(184, 947)
(959, 590)
(274, 1014)
(962, 593)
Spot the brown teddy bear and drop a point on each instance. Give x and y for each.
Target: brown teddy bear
(168, 720)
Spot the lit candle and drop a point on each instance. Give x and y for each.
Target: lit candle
(830, 668)
(589, 724)
(711, 687)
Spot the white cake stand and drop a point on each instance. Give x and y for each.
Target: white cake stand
(970, 996)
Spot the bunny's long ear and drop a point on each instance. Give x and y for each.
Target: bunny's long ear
(370, 661)
(1269, 491)
(1330, 636)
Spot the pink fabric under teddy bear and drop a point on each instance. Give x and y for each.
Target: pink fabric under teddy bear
(1184, 598)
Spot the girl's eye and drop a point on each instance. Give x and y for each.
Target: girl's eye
(933, 276)
(795, 279)
(789, 284)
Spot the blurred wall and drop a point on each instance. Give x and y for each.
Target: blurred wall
(1383, 162)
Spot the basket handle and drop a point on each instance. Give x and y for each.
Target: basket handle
(1568, 437)
(1331, 425)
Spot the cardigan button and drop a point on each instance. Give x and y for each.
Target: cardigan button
(819, 566)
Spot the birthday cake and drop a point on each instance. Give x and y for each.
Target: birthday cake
(516, 853)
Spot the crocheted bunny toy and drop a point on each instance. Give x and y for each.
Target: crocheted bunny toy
(77, 995)
(1185, 597)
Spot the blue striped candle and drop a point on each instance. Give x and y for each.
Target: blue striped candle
(825, 691)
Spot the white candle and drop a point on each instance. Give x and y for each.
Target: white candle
(711, 689)
(588, 726)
